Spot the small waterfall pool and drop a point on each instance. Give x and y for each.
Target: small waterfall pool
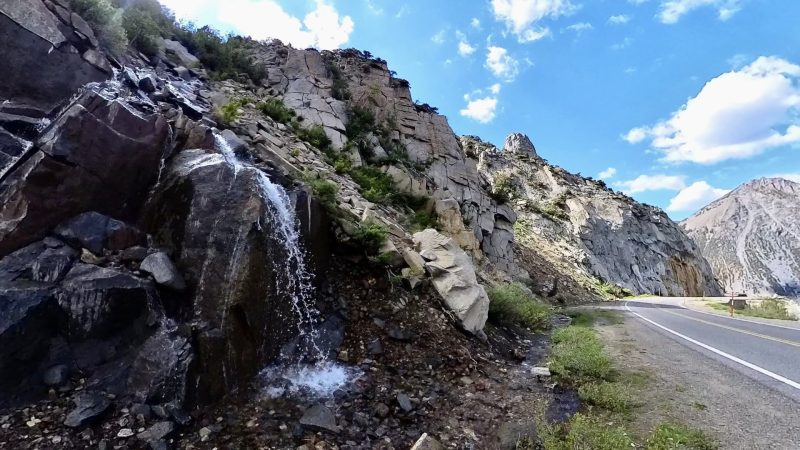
(312, 374)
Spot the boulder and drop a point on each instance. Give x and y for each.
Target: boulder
(321, 418)
(453, 276)
(179, 55)
(96, 232)
(89, 406)
(98, 302)
(426, 442)
(160, 266)
(160, 370)
(41, 68)
(101, 154)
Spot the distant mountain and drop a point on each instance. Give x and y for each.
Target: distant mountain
(751, 237)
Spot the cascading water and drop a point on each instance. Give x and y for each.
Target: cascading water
(312, 373)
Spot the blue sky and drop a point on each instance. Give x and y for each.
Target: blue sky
(673, 101)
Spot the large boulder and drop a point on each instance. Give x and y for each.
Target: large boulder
(96, 232)
(44, 59)
(453, 276)
(101, 154)
(217, 220)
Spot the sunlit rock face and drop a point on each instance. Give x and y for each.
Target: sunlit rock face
(751, 237)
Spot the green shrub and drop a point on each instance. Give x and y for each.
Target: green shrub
(145, 23)
(325, 191)
(376, 186)
(613, 291)
(370, 236)
(669, 436)
(229, 112)
(276, 110)
(578, 356)
(314, 135)
(583, 432)
(361, 121)
(225, 57)
(105, 20)
(424, 219)
(769, 309)
(615, 397)
(502, 188)
(512, 304)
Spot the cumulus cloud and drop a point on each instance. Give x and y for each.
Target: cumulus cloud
(439, 37)
(521, 17)
(322, 27)
(671, 11)
(694, 197)
(495, 88)
(501, 64)
(608, 173)
(644, 183)
(619, 19)
(736, 115)
(475, 23)
(481, 109)
(464, 47)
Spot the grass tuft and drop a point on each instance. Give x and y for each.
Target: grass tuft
(578, 356)
(513, 304)
(670, 436)
(614, 397)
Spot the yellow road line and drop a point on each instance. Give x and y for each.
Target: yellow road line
(738, 330)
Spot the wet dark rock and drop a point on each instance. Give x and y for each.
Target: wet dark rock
(148, 83)
(157, 432)
(140, 409)
(159, 371)
(136, 254)
(100, 154)
(11, 150)
(56, 375)
(399, 334)
(96, 232)
(160, 266)
(99, 302)
(40, 67)
(374, 347)
(321, 418)
(89, 406)
(160, 411)
(380, 410)
(405, 402)
(22, 126)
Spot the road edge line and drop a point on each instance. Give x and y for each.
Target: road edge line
(683, 305)
(719, 352)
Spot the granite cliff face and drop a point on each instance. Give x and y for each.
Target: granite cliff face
(592, 235)
(751, 237)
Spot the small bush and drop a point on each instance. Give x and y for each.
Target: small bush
(770, 309)
(276, 110)
(371, 236)
(578, 356)
(325, 191)
(614, 397)
(424, 219)
(502, 188)
(229, 112)
(668, 436)
(512, 304)
(145, 24)
(106, 22)
(361, 121)
(613, 291)
(376, 186)
(314, 135)
(584, 432)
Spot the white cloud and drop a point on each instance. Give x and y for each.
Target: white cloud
(636, 135)
(439, 37)
(619, 19)
(464, 47)
(736, 115)
(580, 27)
(481, 109)
(694, 197)
(521, 16)
(475, 23)
(608, 173)
(623, 44)
(402, 12)
(322, 27)
(672, 10)
(788, 176)
(373, 8)
(644, 183)
(501, 64)
(637, 2)
(495, 88)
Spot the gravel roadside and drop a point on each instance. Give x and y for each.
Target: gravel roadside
(685, 386)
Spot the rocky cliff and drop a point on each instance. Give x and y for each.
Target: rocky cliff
(595, 237)
(751, 238)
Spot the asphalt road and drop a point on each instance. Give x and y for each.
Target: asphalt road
(767, 353)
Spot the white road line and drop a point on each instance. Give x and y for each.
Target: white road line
(683, 305)
(749, 365)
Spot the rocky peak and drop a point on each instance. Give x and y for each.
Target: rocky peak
(518, 143)
(772, 184)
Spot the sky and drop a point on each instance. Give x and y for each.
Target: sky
(674, 102)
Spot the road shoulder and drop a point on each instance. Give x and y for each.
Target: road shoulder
(683, 385)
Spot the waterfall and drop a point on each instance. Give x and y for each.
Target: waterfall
(322, 377)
